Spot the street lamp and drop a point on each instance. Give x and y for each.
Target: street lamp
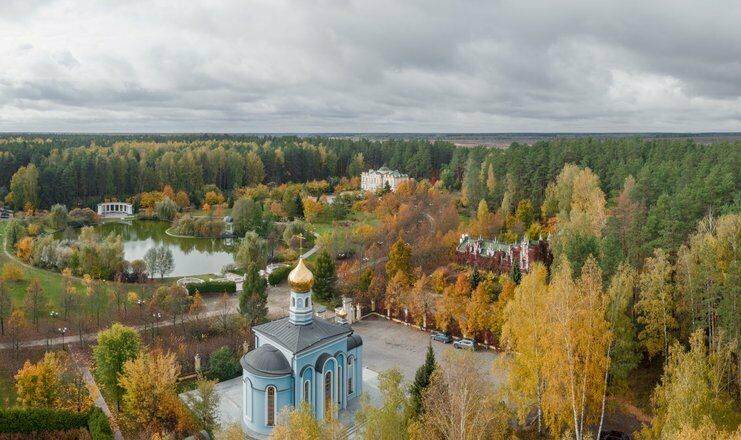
(62, 330)
(157, 316)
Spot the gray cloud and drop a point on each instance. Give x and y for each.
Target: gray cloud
(381, 65)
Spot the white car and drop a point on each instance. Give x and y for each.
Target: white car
(465, 343)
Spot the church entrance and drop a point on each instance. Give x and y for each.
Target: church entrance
(328, 395)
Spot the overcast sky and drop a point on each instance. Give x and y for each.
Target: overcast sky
(370, 66)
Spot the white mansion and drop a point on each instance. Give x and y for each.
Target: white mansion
(373, 180)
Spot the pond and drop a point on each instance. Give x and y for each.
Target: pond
(192, 256)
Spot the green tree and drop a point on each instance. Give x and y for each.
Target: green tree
(24, 187)
(166, 209)
(687, 396)
(159, 260)
(390, 420)
(625, 355)
(247, 216)
(252, 252)
(253, 301)
(421, 381)
(224, 364)
(116, 345)
(204, 403)
(656, 306)
(57, 218)
(325, 278)
(173, 300)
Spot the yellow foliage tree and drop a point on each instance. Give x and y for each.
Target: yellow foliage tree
(148, 382)
(24, 248)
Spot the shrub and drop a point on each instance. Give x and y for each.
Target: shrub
(98, 425)
(278, 275)
(213, 287)
(26, 421)
(12, 271)
(82, 217)
(224, 364)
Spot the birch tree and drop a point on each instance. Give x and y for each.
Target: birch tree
(524, 332)
(656, 306)
(578, 338)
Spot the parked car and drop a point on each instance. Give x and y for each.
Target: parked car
(465, 343)
(613, 435)
(441, 336)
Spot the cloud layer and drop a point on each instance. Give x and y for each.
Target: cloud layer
(370, 66)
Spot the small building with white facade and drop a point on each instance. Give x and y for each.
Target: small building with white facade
(115, 209)
(373, 180)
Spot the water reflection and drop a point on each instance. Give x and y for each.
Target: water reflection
(192, 256)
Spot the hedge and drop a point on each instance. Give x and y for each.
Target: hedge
(213, 287)
(98, 425)
(27, 421)
(278, 275)
(35, 420)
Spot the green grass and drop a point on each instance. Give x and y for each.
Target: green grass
(7, 391)
(52, 282)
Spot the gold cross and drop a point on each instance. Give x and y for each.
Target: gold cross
(301, 239)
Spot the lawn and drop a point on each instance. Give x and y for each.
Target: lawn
(51, 282)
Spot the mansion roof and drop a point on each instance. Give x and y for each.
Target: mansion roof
(297, 338)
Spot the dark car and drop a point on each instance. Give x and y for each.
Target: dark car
(441, 336)
(613, 435)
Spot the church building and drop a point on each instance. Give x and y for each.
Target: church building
(300, 358)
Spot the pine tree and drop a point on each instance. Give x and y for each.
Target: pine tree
(421, 381)
(325, 277)
(299, 206)
(253, 301)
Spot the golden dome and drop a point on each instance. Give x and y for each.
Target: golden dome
(342, 313)
(301, 279)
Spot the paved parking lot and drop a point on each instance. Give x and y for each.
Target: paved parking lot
(388, 344)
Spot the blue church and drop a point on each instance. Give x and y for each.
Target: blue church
(300, 358)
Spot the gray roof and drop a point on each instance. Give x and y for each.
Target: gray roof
(266, 360)
(297, 338)
(354, 340)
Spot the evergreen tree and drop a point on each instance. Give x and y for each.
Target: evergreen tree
(475, 277)
(421, 381)
(253, 301)
(325, 277)
(299, 206)
(516, 273)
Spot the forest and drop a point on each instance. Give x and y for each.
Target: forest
(638, 298)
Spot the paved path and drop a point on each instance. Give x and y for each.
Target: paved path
(277, 308)
(100, 402)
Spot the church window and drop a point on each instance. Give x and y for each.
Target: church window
(270, 406)
(328, 395)
(350, 375)
(248, 399)
(307, 391)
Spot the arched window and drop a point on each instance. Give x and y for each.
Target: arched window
(308, 302)
(247, 399)
(328, 395)
(300, 303)
(270, 406)
(293, 302)
(307, 391)
(350, 375)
